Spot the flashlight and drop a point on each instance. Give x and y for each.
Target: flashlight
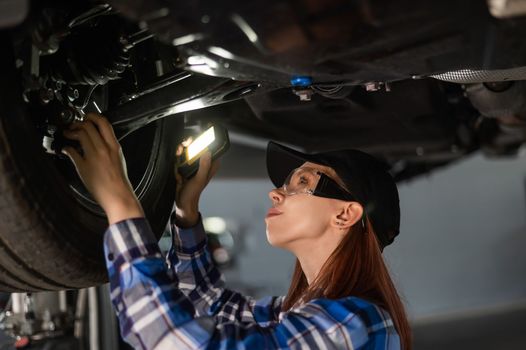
(215, 139)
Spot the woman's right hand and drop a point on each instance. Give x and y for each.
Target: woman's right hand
(189, 190)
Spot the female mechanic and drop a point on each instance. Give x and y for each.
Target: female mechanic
(334, 211)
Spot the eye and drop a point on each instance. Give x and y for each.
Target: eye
(303, 179)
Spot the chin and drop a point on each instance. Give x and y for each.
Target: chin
(276, 240)
(271, 239)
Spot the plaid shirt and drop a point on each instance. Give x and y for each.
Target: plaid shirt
(181, 302)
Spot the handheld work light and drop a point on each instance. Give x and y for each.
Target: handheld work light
(214, 139)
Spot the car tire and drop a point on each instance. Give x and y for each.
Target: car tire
(49, 238)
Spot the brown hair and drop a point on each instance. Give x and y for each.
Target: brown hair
(355, 268)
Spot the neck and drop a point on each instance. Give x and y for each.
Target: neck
(313, 254)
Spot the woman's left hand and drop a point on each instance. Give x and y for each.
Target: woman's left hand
(102, 167)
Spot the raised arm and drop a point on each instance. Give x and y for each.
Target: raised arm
(102, 169)
(190, 261)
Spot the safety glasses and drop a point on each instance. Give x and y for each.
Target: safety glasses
(311, 181)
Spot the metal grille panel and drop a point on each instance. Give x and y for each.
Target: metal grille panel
(480, 76)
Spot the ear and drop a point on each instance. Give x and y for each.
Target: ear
(348, 214)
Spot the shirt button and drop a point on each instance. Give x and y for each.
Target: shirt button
(110, 257)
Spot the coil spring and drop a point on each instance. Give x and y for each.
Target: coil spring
(91, 55)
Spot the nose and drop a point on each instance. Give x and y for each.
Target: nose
(276, 196)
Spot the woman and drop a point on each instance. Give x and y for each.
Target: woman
(341, 295)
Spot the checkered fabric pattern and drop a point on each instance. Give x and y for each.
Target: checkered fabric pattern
(180, 302)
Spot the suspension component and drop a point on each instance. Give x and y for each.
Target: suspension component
(95, 50)
(71, 55)
(82, 64)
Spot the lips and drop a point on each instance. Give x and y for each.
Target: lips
(273, 212)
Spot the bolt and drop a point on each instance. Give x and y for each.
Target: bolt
(420, 151)
(72, 94)
(372, 86)
(51, 129)
(304, 97)
(80, 116)
(304, 94)
(46, 95)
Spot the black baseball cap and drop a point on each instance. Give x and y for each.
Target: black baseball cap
(366, 177)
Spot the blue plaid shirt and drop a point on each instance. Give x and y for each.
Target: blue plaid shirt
(180, 302)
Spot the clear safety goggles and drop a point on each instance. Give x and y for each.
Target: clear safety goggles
(311, 181)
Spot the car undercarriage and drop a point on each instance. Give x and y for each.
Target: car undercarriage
(401, 80)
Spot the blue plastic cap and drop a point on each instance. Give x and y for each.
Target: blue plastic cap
(301, 81)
